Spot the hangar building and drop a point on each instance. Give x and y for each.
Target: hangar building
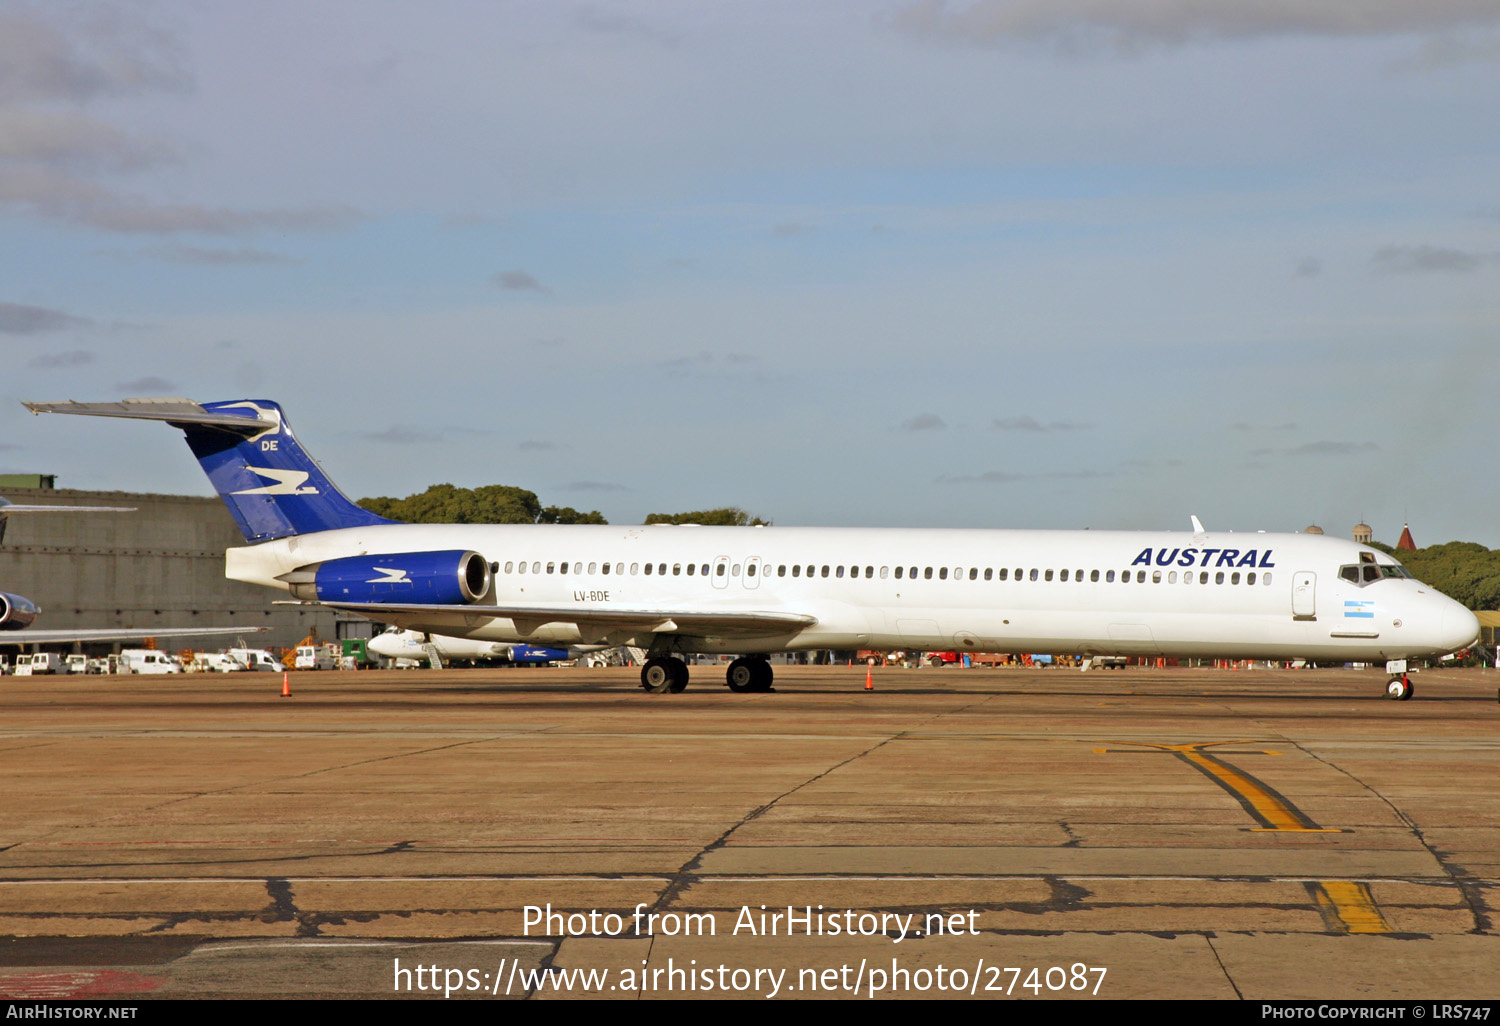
(161, 566)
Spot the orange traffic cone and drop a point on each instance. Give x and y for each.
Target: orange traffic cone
(870, 676)
(286, 684)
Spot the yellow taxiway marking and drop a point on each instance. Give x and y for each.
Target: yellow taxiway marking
(1346, 906)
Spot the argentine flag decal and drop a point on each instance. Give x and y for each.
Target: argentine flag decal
(1359, 607)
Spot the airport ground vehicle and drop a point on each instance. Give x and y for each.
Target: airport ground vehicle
(148, 660)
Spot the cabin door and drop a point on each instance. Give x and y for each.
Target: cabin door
(1304, 587)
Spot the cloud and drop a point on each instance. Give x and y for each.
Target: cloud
(1130, 26)
(1028, 423)
(71, 358)
(1241, 425)
(1007, 477)
(788, 229)
(244, 255)
(1422, 259)
(1311, 267)
(1320, 448)
(613, 23)
(96, 52)
(923, 422)
(593, 486)
(147, 384)
(532, 445)
(402, 435)
(518, 281)
(19, 319)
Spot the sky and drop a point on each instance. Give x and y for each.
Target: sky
(929, 263)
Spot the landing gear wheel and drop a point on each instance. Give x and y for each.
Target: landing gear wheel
(664, 674)
(763, 675)
(741, 676)
(1399, 689)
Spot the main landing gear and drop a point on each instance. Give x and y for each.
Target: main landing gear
(664, 673)
(1398, 689)
(749, 673)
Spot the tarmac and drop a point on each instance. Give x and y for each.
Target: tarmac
(559, 833)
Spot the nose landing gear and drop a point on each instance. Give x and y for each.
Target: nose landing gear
(1398, 689)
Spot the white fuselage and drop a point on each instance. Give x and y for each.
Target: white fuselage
(1209, 594)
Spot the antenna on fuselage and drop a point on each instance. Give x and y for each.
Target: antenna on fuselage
(1197, 524)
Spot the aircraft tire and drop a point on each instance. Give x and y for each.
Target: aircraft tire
(764, 675)
(1399, 689)
(679, 672)
(657, 676)
(741, 675)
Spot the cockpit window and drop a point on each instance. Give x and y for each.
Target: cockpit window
(1368, 573)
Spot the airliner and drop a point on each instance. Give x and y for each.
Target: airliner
(395, 643)
(753, 591)
(18, 613)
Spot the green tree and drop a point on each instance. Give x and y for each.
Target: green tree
(727, 516)
(1466, 572)
(487, 504)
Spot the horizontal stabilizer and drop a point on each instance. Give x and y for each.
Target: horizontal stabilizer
(173, 411)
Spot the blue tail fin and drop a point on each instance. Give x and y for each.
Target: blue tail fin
(272, 487)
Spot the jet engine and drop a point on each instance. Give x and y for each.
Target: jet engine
(16, 612)
(449, 578)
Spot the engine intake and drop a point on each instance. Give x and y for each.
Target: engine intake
(451, 577)
(16, 612)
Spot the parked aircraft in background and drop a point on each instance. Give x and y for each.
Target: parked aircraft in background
(396, 643)
(752, 591)
(18, 613)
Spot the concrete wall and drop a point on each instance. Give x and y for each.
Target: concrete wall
(161, 566)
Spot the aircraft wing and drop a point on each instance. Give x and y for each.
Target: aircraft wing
(30, 637)
(591, 622)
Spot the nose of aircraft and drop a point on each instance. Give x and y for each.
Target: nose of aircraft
(1460, 628)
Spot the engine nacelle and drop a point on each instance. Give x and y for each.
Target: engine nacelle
(448, 578)
(16, 612)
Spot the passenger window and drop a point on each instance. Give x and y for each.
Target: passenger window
(620, 568)
(1005, 573)
(885, 572)
(989, 573)
(1266, 579)
(942, 573)
(1155, 576)
(1250, 578)
(509, 566)
(690, 568)
(1049, 575)
(1063, 576)
(898, 572)
(796, 569)
(522, 568)
(1033, 574)
(605, 568)
(676, 569)
(973, 573)
(749, 569)
(1234, 578)
(593, 568)
(633, 568)
(1219, 577)
(734, 570)
(870, 572)
(1109, 577)
(720, 570)
(648, 569)
(1172, 577)
(781, 570)
(927, 574)
(1078, 576)
(550, 567)
(1094, 576)
(825, 571)
(1203, 577)
(838, 571)
(1140, 577)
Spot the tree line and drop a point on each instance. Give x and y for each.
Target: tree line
(507, 504)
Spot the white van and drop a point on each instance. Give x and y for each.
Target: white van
(317, 657)
(217, 662)
(257, 659)
(148, 660)
(35, 663)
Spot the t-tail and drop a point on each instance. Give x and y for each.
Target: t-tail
(272, 487)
